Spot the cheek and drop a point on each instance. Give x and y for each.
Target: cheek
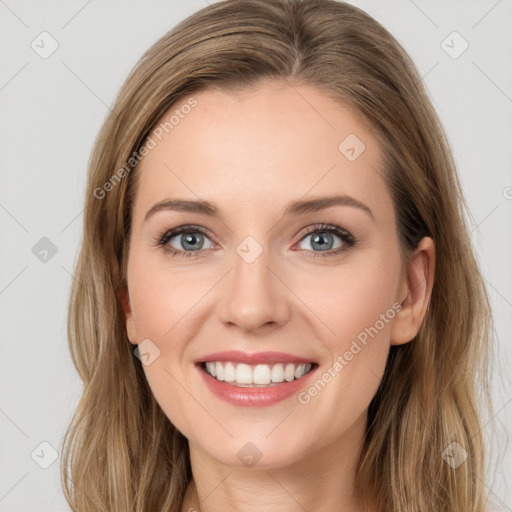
(161, 296)
(349, 299)
(355, 303)
(160, 299)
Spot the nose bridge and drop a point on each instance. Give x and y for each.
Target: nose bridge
(255, 296)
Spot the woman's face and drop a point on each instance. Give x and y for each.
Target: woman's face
(294, 264)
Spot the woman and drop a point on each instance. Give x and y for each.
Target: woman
(276, 305)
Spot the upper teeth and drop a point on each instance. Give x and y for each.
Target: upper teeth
(256, 374)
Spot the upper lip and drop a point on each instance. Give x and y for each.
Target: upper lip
(237, 356)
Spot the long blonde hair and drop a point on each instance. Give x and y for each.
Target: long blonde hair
(120, 452)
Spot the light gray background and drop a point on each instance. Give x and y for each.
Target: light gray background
(51, 110)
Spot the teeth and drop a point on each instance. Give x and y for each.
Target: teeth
(300, 371)
(219, 371)
(229, 372)
(243, 374)
(258, 375)
(289, 372)
(262, 374)
(210, 367)
(277, 374)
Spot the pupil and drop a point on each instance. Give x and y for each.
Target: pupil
(317, 239)
(190, 238)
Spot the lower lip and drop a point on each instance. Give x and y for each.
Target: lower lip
(254, 397)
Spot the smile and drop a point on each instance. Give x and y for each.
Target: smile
(260, 375)
(255, 379)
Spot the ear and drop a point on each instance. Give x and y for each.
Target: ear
(414, 293)
(131, 329)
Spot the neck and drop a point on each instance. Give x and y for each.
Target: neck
(322, 481)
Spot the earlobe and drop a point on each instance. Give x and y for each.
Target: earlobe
(131, 330)
(414, 294)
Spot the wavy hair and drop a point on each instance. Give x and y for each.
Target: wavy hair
(120, 452)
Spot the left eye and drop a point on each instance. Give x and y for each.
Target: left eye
(322, 240)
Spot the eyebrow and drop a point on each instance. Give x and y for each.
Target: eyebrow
(295, 208)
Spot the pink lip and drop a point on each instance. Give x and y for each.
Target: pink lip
(254, 397)
(237, 356)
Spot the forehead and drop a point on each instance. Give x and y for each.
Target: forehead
(268, 145)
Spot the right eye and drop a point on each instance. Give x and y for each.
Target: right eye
(191, 239)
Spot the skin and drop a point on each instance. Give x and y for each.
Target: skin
(251, 154)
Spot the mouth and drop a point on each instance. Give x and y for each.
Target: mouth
(256, 375)
(257, 379)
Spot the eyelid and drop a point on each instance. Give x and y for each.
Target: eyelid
(162, 238)
(322, 226)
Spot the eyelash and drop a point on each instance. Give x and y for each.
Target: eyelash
(350, 241)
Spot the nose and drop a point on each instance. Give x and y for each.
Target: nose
(255, 295)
